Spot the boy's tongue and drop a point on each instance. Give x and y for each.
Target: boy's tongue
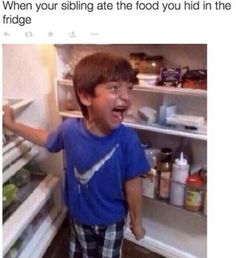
(118, 113)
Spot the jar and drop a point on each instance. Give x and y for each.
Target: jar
(135, 59)
(205, 203)
(194, 193)
(195, 79)
(151, 65)
(164, 170)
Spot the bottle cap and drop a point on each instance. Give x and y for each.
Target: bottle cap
(195, 181)
(181, 161)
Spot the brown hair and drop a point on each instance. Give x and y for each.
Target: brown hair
(99, 68)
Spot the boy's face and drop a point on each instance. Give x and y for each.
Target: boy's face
(108, 107)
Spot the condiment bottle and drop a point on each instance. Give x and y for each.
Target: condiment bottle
(164, 169)
(185, 147)
(194, 193)
(180, 170)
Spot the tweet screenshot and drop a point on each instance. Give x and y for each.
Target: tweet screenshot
(117, 128)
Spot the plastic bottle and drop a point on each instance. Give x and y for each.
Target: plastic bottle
(180, 170)
(185, 147)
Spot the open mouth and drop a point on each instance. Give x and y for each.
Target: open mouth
(119, 111)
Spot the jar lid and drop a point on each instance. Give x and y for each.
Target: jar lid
(195, 181)
(166, 151)
(153, 58)
(137, 54)
(195, 75)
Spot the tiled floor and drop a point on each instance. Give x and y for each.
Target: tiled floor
(60, 245)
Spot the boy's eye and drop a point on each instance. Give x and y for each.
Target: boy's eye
(113, 86)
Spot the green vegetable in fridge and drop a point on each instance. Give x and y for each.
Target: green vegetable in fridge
(9, 194)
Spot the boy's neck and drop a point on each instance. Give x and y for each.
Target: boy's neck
(96, 128)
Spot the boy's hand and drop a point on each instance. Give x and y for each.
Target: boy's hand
(8, 117)
(138, 231)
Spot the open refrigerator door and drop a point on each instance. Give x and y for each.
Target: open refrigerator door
(32, 204)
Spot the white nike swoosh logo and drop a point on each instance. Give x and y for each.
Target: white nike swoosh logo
(87, 175)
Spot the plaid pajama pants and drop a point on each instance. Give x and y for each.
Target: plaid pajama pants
(96, 241)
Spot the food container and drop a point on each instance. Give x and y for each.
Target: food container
(148, 79)
(164, 168)
(194, 193)
(151, 65)
(195, 79)
(135, 61)
(170, 76)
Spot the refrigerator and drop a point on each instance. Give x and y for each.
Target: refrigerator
(40, 77)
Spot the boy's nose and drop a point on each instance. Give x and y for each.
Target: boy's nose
(125, 94)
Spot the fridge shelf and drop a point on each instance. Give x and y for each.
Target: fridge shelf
(17, 104)
(168, 232)
(164, 203)
(166, 130)
(13, 142)
(14, 153)
(20, 219)
(151, 128)
(41, 239)
(22, 195)
(13, 168)
(155, 89)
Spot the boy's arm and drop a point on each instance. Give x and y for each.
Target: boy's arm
(37, 136)
(133, 190)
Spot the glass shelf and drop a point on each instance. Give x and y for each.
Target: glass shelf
(155, 89)
(152, 128)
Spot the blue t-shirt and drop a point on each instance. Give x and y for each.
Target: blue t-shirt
(96, 169)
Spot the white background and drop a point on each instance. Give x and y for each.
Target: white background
(214, 28)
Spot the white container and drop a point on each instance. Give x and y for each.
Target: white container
(149, 186)
(177, 194)
(180, 170)
(148, 79)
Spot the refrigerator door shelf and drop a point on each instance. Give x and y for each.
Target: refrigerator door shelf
(20, 219)
(41, 239)
(16, 104)
(18, 157)
(14, 153)
(16, 140)
(13, 168)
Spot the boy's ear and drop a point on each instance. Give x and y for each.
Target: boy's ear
(85, 98)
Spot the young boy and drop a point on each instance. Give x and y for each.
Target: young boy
(104, 159)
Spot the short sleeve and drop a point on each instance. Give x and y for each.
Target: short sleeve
(55, 140)
(135, 159)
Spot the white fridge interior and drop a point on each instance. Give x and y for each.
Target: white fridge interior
(29, 73)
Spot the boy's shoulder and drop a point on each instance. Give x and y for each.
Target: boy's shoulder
(70, 124)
